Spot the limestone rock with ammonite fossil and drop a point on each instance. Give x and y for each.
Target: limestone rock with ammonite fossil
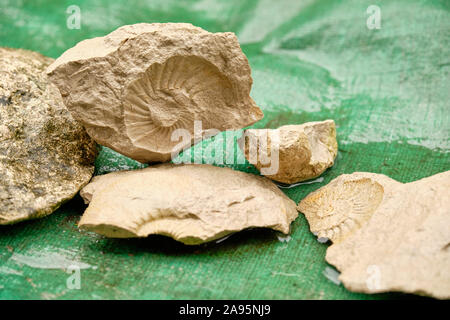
(387, 236)
(191, 203)
(132, 88)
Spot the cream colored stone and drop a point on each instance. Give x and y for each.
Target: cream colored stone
(132, 88)
(46, 156)
(387, 236)
(190, 203)
(305, 151)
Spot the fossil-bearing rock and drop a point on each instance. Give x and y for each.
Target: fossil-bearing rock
(132, 88)
(45, 155)
(190, 203)
(387, 236)
(304, 151)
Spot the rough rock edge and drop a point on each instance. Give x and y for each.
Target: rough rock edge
(306, 150)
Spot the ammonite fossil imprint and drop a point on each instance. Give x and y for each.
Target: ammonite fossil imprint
(181, 201)
(132, 88)
(387, 236)
(171, 96)
(337, 209)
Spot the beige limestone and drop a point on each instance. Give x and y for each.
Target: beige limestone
(45, 155)
(304, 151)
(190, 203)
(387, 236)
(132, 88)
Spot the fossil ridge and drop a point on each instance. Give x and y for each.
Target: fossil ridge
(190, 203)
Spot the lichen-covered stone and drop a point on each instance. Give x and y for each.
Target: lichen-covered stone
(304, 151)
(134, 87)
(45, 155)
(387, 236)
(190, 203)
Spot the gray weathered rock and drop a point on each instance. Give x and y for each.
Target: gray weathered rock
(45, 155)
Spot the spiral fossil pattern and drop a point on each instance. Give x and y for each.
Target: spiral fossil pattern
(172, 95)
(337, 209)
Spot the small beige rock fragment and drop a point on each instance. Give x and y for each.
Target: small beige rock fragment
(304, 151)
(190, 203)
(387, 236)
(134, 87)
(45, 155)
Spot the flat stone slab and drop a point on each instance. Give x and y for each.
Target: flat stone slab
(190, 203)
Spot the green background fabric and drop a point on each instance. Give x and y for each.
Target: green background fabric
(386, 89)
